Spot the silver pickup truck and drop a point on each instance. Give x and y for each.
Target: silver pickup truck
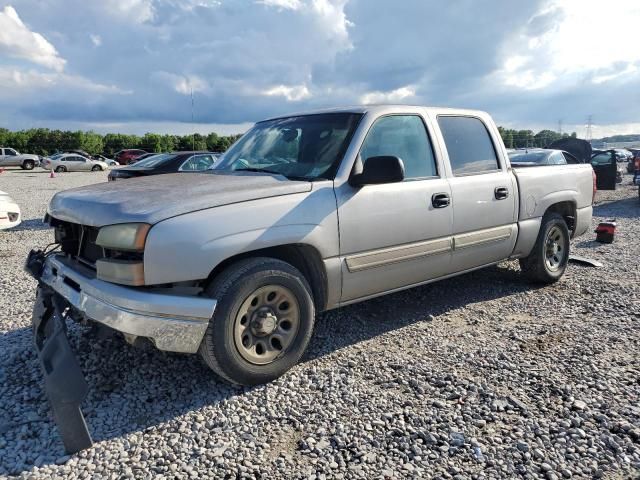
(304, 213)
(10, 157)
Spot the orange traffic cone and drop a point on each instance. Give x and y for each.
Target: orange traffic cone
(52, 175)
(1, 170)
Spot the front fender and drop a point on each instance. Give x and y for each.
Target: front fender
(188, 247)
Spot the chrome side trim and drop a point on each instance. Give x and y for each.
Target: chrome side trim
(480, 237)
(385, 256)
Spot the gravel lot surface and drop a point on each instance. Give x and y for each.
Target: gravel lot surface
(482, 376)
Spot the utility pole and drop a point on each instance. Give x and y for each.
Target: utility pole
(589, 135)
(193, 135)
(560, 127)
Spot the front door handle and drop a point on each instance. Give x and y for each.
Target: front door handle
(440, 200)
(501, 193)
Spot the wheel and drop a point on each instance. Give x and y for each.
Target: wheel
(548, 260)
(262, 322)
(60, 169)
(28, 165)
(96, 168)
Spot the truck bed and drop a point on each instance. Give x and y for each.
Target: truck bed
(545, 185)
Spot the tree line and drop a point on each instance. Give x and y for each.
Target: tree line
(526, 138)
(43, 141)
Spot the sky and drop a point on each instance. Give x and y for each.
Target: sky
(130, 65)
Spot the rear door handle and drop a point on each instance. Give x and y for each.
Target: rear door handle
(501, 193)
(440, 200)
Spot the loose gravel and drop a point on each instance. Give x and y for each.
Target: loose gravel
(481, 376)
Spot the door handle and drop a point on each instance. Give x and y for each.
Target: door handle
(440, 200)
(501, 193)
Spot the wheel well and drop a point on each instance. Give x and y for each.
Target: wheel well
(303, 257)
(567, 210)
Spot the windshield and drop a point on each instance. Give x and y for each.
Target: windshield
(528, 157)
(154, 160)
(56, 156)
(306, 147)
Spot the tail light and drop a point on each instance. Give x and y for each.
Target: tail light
(595, 189)
(637, 162)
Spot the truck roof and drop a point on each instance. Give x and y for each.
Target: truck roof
(380, 108)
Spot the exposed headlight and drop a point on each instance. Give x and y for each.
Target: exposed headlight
(124, 272)
(129, 237)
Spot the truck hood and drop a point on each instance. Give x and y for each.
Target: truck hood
(156, 198)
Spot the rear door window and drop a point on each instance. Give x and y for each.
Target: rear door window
(469, 145)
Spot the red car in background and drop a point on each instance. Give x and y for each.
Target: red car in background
(124, 157)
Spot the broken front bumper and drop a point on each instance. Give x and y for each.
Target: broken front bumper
(171, 322)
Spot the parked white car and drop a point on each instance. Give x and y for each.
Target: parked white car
(10, 157)
(9, 212)
(109, 161)
(72, 162)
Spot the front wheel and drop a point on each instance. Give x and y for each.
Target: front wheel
(262, 322)
(96, 168)
(548, 260)
(61, 169)
(28, 165)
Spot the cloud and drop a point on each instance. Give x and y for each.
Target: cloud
(286, 4)
(17, 41)
(96, 39)
(291, 93)
(182, 84)
(394, 96)
(527, 63)
(139, 11)
(13, 79)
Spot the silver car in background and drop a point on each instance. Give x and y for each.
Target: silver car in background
(72, 162)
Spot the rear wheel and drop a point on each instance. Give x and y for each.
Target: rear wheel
(262, 323)
(548, 260)
(28, 165)
(61, 169)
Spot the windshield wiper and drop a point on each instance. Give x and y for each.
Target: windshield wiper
(272, 172)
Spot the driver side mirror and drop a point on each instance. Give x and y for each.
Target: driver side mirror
(379, 170)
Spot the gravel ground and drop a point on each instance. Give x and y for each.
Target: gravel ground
(481, 376)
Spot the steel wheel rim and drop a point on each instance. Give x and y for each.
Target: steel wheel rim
(266, 324)
(555, 250)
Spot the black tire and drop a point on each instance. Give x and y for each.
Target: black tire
(28, 165)
(61, 169)
(231, 289)
(535, 266)
(96, 168)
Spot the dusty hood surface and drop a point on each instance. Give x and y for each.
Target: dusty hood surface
(156, 198)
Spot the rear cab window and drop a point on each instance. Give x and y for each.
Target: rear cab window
(469, 145)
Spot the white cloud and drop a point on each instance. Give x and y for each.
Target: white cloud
(12, 79)
(332, 17)
(96, 39)
(139, 11)
(183, 84)
(580, 41)
(293, 93)
(285, 4)
(394, 96)
(16, 40)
